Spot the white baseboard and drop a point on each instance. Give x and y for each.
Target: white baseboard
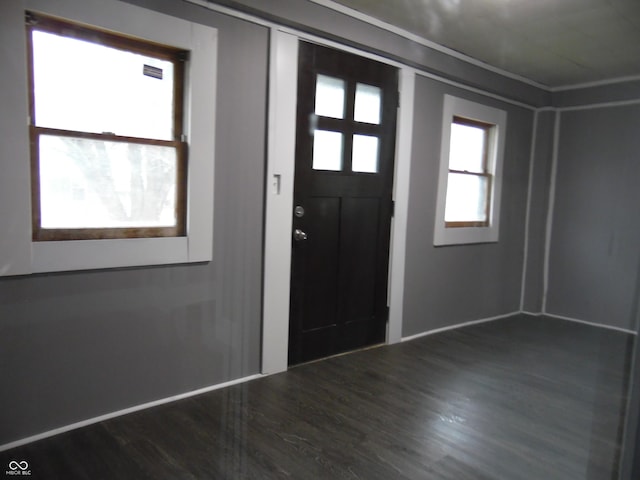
(593, 324)
(535, 314)
(119, 413)
(192, 393)
(459, 325)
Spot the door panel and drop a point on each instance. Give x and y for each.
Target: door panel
(319, 259)
(359, 250)
(345, 143)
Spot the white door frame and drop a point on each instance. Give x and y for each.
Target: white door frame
(283, 72)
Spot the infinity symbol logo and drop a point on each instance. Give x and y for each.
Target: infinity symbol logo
(23, 465)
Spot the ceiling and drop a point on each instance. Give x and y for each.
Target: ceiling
(555, 43)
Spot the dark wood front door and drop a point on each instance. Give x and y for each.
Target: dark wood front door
(345, 145)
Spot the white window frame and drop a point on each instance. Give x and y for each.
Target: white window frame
(458, 107)
(19, 255)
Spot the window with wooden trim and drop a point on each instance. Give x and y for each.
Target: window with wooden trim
(108, 156)
(469, 179)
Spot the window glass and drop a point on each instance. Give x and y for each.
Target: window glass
(467, 148)
(466, 198)
(87, 183)
(84, 86)
(330, 94)
(110, 160)
(327, 150)
(367, 107)
(365, 154)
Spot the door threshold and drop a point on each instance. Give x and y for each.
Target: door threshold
(361, 349)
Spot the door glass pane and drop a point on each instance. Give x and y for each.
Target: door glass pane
(466, 198)
(330, 97)
(88, 183)
(87, 87)
(327, 150)
(467, 148)
(365, 154)
(367, 107)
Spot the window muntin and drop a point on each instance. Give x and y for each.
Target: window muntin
(93, 114)
(469, 177)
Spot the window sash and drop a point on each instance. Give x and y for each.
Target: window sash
(94, 35)
(51, 234)
(486, 127)
(487, 209)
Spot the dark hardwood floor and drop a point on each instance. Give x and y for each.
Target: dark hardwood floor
(519, 398)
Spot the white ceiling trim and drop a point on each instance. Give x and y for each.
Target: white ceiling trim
(597, 83)
(425, 42)
(592, 106)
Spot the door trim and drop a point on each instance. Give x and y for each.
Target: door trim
(401, 176)
(281, 138)
(283, 75)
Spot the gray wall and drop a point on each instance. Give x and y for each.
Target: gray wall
(594, 272)
(453, 284)
(595, 246)
(77, 345)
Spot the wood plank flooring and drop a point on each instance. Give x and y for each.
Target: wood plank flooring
(518, 398)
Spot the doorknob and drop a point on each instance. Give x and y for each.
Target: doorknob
(299, 235)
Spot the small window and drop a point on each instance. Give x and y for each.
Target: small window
(346, 126)
(470, 170)
(469, 178)
(107, 153)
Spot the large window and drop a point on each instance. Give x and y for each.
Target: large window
(111, 187)
(470, 173)
(106, 126)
